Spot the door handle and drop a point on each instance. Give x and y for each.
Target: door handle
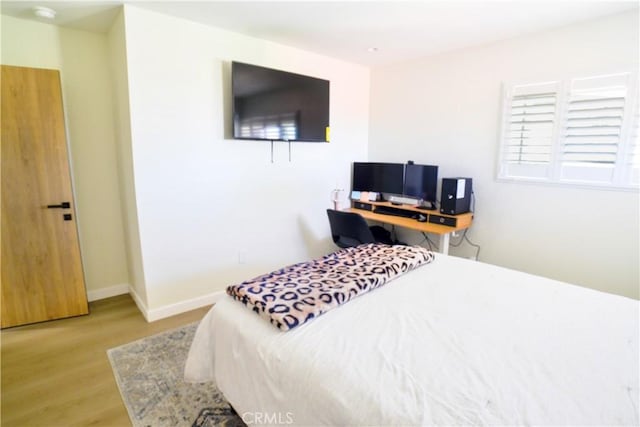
(63, 205)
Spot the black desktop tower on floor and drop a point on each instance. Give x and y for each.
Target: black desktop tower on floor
(455, 196)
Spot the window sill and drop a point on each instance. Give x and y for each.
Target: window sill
(569, 184)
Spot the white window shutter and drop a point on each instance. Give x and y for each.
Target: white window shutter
(583, 131)
(529, 130)
(593, 128)
(632, 163)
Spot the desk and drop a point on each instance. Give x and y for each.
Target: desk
(432, 225)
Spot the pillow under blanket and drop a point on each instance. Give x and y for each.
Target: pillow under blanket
(298, 293)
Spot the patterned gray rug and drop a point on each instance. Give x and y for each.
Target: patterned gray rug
(149, 373)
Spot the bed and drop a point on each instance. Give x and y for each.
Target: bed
(453, 342)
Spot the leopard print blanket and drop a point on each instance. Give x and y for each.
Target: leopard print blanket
(293, 295)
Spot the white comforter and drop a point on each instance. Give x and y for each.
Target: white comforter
(455, 342)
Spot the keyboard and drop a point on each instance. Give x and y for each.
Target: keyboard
(388, 210)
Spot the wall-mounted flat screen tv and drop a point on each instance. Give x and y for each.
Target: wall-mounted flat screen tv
(275, 105)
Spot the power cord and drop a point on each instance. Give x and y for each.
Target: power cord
(455, 245)
(430, 243)
(472, 244)
(466, 238)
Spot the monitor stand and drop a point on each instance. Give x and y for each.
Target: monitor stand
(430, 207)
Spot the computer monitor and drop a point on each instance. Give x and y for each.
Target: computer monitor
(378, 177)
(362, 178)
(421, 182)
(388, 178)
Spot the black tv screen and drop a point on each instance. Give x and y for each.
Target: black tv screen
(378, 177)
(421, 182)
(276, 105)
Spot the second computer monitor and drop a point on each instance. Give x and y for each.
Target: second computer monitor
(421, 182)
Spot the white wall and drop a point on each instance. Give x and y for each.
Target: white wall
(81, 57)
(445, 110)
(116, 40)
(213, 211)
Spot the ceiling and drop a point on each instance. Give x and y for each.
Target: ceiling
(398, 30)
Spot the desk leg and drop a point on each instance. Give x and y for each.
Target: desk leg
(444, 243)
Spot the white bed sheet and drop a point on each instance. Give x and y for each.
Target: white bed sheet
(455, 342)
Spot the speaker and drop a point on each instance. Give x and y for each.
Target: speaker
(455, 197)
(361, 205)
(443, 220)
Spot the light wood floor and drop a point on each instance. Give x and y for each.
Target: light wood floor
(57, 373)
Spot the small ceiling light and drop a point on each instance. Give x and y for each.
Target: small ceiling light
(372, 49)
(44, 12)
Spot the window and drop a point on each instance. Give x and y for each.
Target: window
(581, 131)
(632, 161)
(529, 130)
(281, 126)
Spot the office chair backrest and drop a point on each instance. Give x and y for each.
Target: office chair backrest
(349, 229)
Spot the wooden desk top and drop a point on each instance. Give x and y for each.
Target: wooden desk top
(463, 220)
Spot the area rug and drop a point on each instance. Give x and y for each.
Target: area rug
(149, 373)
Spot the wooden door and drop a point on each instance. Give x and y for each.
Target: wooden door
(42, 276)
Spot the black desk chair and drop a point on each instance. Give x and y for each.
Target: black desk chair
(350, 229)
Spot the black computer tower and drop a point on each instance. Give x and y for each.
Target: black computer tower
(455, 196)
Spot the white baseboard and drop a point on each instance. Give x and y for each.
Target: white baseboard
(182, 306)
(111, 291)
(141, 305)
(160, 312)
